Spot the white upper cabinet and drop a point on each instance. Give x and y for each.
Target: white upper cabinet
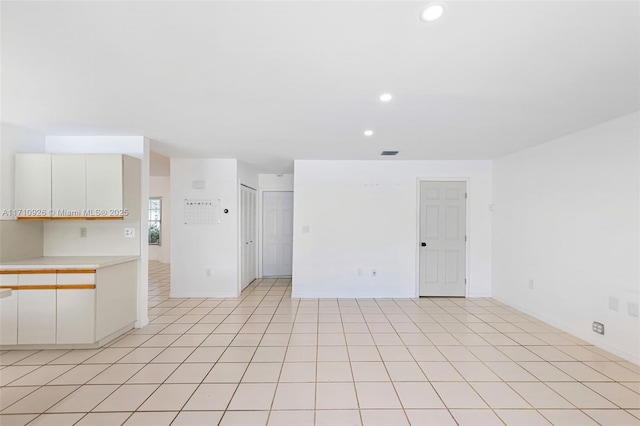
(104, 182)
(33, 185)
(68, 187)
(97, 186)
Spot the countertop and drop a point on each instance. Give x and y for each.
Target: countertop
(65, 262)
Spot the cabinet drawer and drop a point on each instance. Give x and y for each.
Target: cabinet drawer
(8, 280)
(47, 279)
(71, 278)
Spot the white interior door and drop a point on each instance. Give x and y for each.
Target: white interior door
(443, 238)
(248, 264)
(277, 233)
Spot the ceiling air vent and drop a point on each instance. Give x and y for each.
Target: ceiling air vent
(389, 153)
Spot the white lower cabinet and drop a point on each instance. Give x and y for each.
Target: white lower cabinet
(9, 311)
(9, 320)
(36, 317)
(76, 308)
(75, 322)
(36, 308)
(54, 308)
(67, 307)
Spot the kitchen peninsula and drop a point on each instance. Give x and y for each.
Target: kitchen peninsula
(67, 301)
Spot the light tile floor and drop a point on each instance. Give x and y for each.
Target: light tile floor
(266, 358)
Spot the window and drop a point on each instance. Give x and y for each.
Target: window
(155, 220)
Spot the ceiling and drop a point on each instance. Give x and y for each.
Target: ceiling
(270, 82)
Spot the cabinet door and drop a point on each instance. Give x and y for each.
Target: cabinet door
(37, 317)
(68, 189)
(104, 183)
(9, 319)
(9, 311)
(75, 321)
(33, 185)
(75, 316)
(37, 308)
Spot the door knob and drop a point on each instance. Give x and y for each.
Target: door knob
(423, 244)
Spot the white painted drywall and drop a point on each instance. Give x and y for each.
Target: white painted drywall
(247, 175)
(20, 239)
(363, 215)
(160, 186)
(104, 238)
(159, 165)
(277, 182)
(14, 139)
(566, 216)
(129, 145)
(196, 248)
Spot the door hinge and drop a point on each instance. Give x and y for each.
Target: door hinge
(465, 195)
(465, 281)
(465, 238)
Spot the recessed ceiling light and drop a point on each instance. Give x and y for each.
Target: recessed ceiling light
(432, 12)
(368, 132)
(386, 97)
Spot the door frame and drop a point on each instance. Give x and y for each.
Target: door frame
(261, 222)
(467, 266)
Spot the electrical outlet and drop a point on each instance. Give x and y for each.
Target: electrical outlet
(613, 303)
(598, 327)
(530, 284)
(374, 273)
(632, 309)
(129, 232)
(83, 232)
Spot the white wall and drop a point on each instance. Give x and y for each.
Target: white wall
(279, 182)
(129, 145)
(159, 165)
(104, 238)
(21, 239)
(247, 175)
(196, 249)
(160, 186)
(363, 214)
(566, 216)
